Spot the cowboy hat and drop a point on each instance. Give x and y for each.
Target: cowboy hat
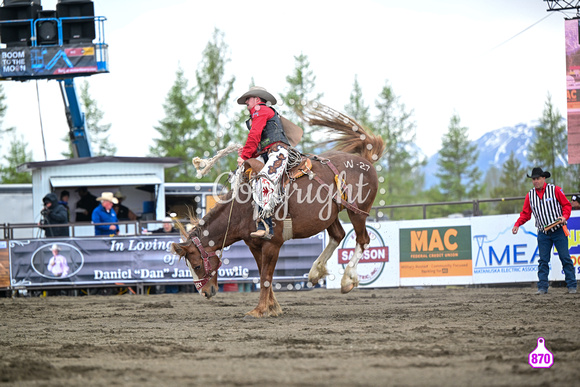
(55, 247)
(108, 196)
(537, 172)
(257, 91)
(119, 195)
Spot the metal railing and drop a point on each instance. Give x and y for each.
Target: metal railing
(78, 230)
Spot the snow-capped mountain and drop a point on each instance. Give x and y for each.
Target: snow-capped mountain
(494, 149)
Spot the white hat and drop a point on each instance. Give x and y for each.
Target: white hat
(108, 196)
(55, 247)
(167, 219)
(257, 91)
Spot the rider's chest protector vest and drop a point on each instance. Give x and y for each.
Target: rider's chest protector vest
(273, 131)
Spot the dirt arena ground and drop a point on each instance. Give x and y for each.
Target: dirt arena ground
(399, 337)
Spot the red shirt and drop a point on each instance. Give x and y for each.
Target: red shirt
(260, 115)
(526, 213)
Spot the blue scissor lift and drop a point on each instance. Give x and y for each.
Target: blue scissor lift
(63, 44)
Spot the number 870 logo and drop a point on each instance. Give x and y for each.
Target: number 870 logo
(541, 357)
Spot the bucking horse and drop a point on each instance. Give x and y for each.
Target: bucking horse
(315, 191)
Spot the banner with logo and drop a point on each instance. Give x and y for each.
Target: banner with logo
(143, 259)
(379, 264)
(48, 61)
(573, 89)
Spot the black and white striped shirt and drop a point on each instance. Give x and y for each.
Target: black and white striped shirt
(547, 209)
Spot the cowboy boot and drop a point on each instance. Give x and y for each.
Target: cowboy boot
(264, 229)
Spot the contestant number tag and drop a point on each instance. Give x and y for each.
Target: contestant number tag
(541, 357)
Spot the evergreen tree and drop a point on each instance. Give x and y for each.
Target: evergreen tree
(301, 92)
(513, 183)
(213, 96)
(357, 108)
(177, 130)
(3, 131)
(458, 173)
(400, 175)
(17, 155)
(98, 133)
(550, 143)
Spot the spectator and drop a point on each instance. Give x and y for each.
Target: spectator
(548, 203)
(86, 204)
(575, 202)
(64, 196)
(167, 227)
(57, 264)
(105, 213)
(53, 213)
(123, 212)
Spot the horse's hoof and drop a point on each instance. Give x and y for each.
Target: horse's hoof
(346, 288)
(249, 317)
(254, 314)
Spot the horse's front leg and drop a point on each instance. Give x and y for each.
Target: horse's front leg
(267, 304)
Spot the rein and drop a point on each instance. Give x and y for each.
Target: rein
(337, 196)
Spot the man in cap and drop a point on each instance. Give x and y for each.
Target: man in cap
(54, 213)
(575, 202)
(548, 204)
(167, 227)
(105, 213)
(123, 212)
(267, 141)
(85, 205)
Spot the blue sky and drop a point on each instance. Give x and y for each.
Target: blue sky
(440, 57)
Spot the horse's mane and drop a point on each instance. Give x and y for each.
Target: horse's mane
(352, 137)
(196, 224)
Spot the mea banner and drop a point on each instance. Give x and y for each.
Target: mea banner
(143, 259)
(48, 61)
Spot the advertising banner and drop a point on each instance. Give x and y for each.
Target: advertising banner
(499, 256)
(143, 259)
(436, 252)
(48, 61)
(573, 89)
(4, 265)
(379, 265)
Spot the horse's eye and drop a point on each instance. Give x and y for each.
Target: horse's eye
(197, 267)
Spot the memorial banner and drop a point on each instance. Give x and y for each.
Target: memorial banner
(142, 259)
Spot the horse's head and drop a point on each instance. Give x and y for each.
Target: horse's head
(203, 264)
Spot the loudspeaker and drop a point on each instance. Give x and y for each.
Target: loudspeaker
(79, 30)
(46, 30)
(17, 33)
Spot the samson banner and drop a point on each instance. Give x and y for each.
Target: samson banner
(48, 61)
(143, 259)
(435, 251)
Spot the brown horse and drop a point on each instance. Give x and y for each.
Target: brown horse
(313, 204)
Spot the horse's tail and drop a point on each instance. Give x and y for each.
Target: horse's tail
(352, 137)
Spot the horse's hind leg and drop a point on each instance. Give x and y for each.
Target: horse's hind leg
(318, 270)
(350, 278)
